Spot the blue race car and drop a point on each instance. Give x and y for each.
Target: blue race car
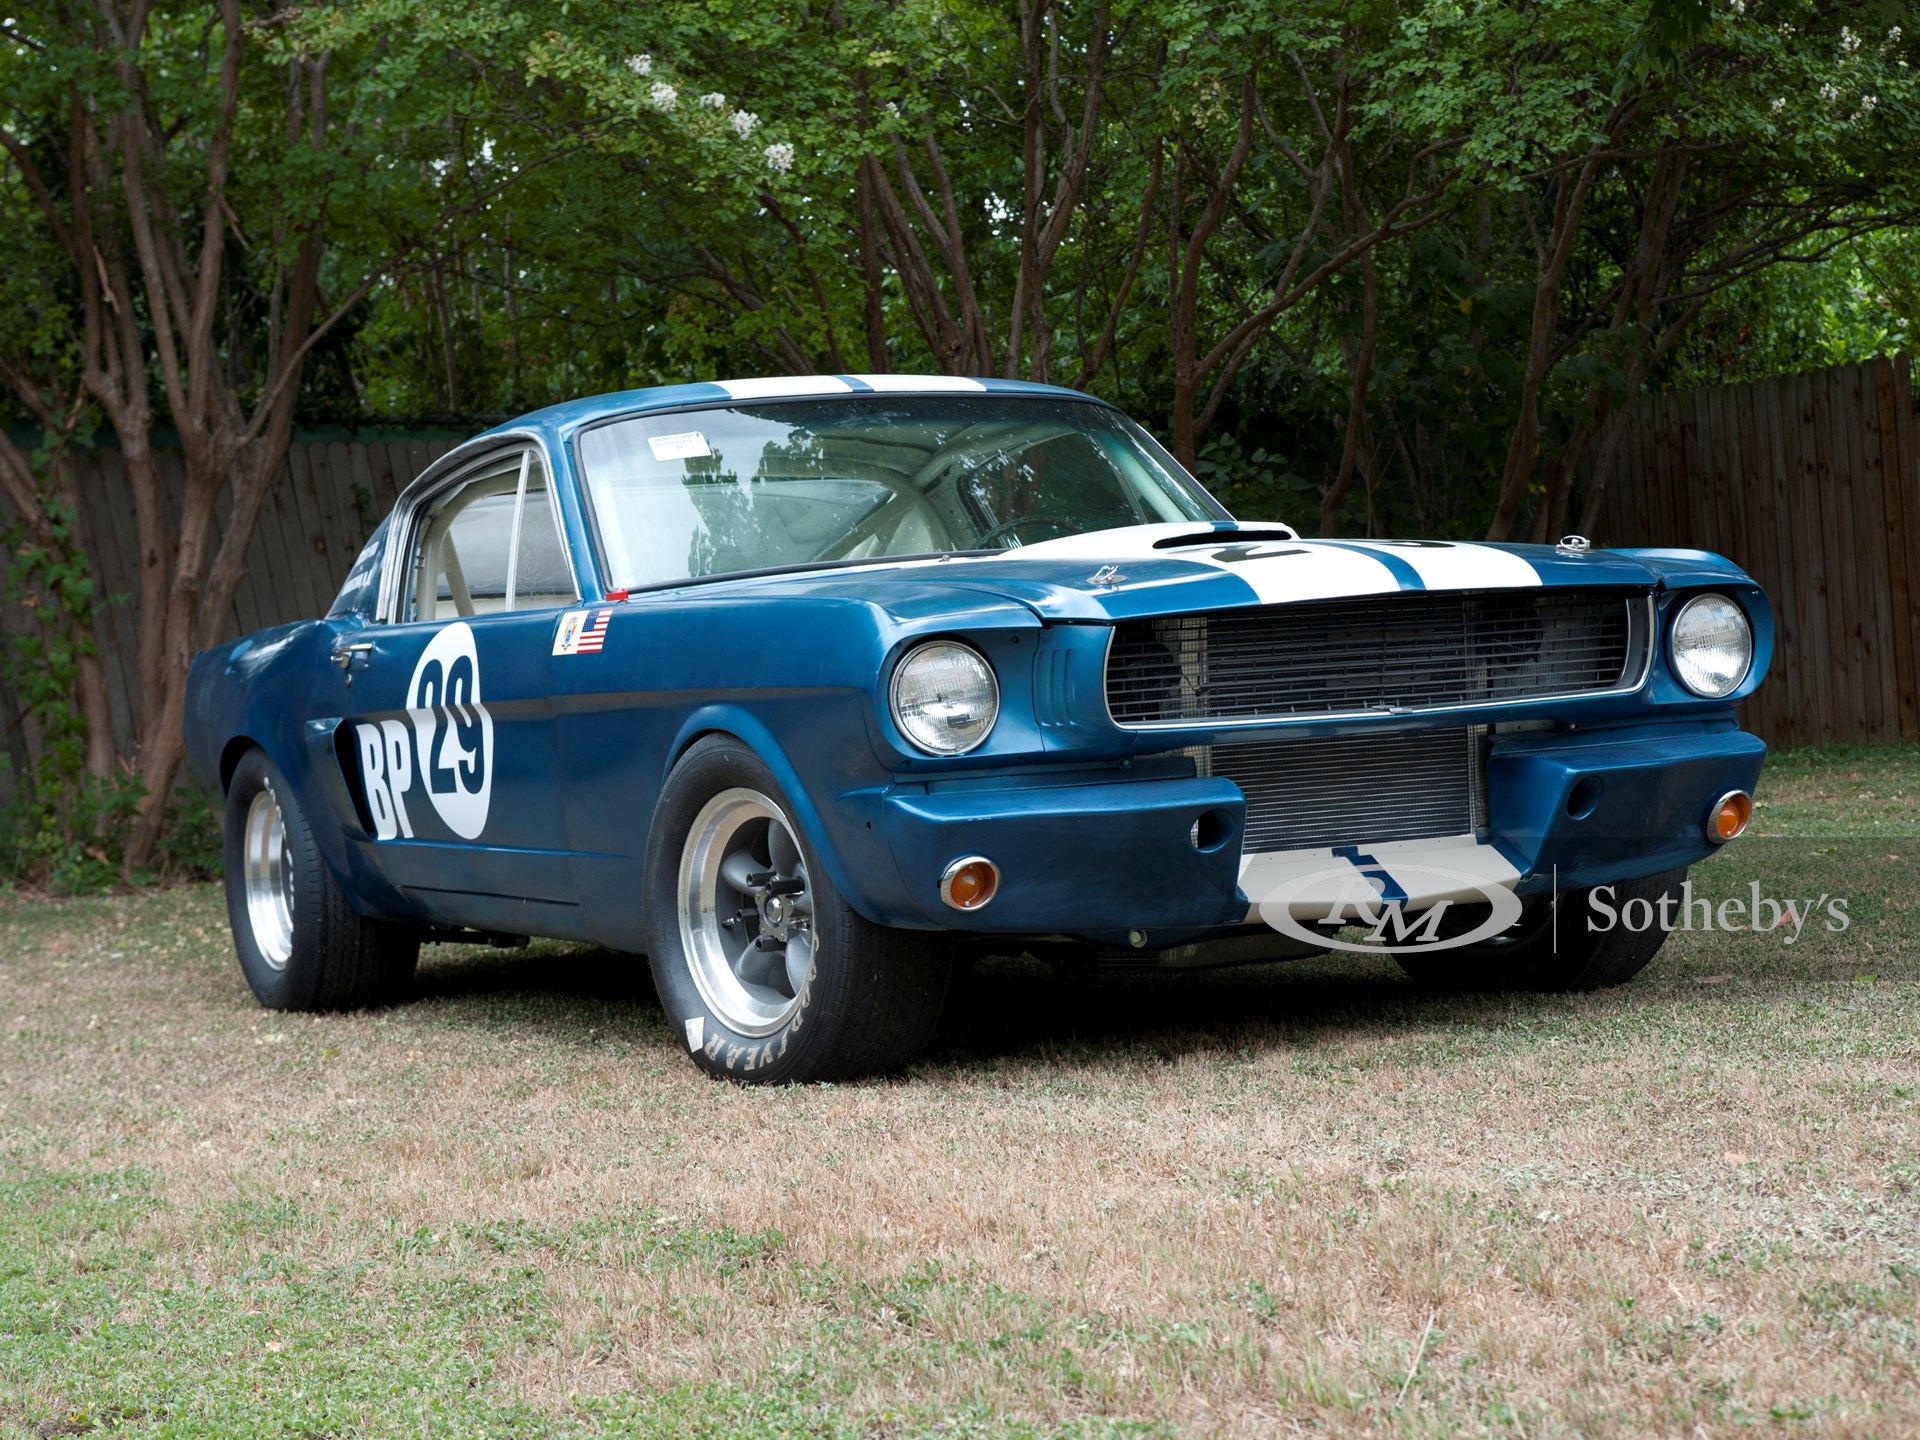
(807, 688)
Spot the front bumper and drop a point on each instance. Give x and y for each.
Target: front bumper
(1103, 858)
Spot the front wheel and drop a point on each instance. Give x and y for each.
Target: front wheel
(764, 971)
(1553, 946)
(302, 946)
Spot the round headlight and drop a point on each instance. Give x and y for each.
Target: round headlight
(945, 698)
(1712, 645)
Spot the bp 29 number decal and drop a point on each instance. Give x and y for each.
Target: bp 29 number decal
(448, 749)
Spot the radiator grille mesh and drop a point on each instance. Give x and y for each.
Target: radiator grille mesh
(1304, 794)
(1393, 653)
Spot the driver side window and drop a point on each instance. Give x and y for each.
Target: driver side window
(490, 544)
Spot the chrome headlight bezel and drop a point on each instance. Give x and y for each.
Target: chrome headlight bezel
(928, 743)
(1742, 626)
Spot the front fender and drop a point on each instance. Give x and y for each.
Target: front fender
(841, 819)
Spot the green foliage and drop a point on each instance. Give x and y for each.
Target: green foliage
(683, 201)
(64, 825)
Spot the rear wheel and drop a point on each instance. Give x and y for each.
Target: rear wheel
(1559, 943)
(765, 972)
(301, 945)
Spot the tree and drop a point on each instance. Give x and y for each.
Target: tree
(188, 166)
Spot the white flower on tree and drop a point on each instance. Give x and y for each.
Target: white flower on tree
(640, 64)
(714, 100)
(780, 157)
(743, 122)
(665, 97)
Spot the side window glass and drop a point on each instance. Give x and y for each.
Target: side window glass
(462, 548)
(541, 577)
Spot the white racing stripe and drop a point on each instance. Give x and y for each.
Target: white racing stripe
(1446, 566)
(921, 384)
(1277, 571)
(791, 385)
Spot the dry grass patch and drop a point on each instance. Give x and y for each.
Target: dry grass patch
(1300, 1198)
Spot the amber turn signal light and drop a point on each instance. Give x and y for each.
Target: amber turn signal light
(1729, 816)
(970, 883)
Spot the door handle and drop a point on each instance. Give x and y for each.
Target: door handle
(343, 656)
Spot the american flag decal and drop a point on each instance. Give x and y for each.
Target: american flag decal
(594, 636)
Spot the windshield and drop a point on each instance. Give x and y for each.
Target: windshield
(756, 487)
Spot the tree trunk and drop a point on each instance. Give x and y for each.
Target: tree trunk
(1360, 366)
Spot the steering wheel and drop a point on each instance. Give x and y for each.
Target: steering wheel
(870, 524)
(1007, 527)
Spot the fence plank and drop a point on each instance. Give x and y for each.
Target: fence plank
(328, 543)
(113, 535)
(280, 599)
(1894, 537)
(1903, 472)
(1843, 418)
(1787, 709)
(1753, 482)
(1874, 579)
(347, 534)
(302, 530)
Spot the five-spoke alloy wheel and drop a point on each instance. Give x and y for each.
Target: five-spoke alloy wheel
(746, 919)
(765, 971)
(302, 946)
(268, 876)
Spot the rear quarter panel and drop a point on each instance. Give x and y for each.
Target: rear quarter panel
(261, 690)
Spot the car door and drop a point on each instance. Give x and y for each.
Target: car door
(448, 711)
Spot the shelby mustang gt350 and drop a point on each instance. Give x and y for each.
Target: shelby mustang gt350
(802, 687)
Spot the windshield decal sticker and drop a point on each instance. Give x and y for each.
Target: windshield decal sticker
(686, 445)
(453, 730)
(577, 637)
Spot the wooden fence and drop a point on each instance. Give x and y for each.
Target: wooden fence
(316, 518)
(1811, 483)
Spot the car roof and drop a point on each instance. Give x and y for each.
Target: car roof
(572, 414)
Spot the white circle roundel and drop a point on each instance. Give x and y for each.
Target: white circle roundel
(454, 730)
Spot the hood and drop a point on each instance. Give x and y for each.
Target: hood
(1145, 570)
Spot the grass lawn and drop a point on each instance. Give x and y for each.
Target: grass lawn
(1295, 1198)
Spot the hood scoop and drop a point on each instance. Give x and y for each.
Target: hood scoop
(1243, 534)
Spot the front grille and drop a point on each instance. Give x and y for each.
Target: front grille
(1306, 794)
(1398, 654)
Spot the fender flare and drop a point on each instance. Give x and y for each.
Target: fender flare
(740, 724)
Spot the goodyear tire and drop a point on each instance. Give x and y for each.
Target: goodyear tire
(301, 945)
(1552, 947)
(766, 974)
